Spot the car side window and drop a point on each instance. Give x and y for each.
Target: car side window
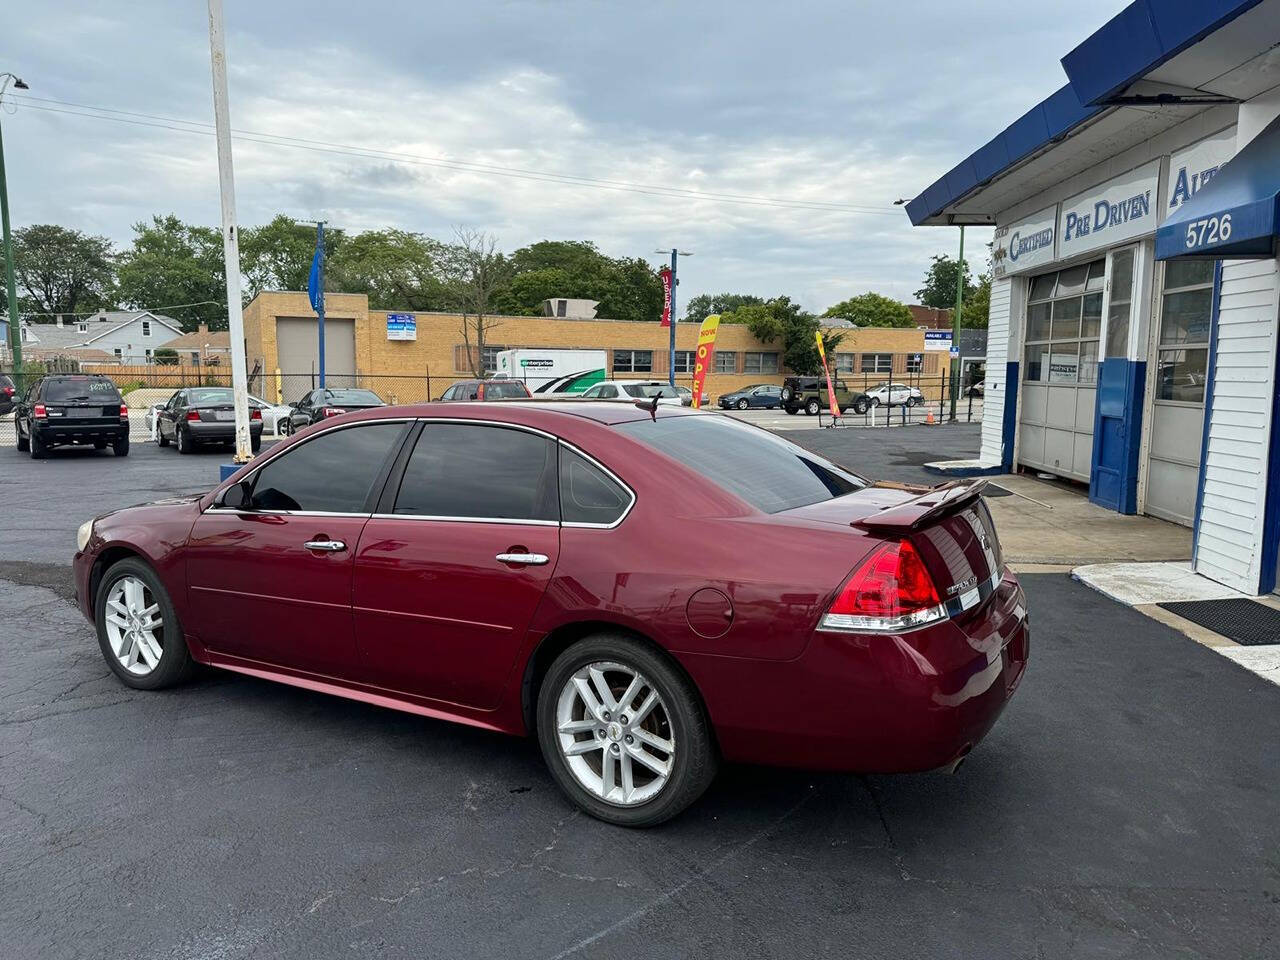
(608, 393)
(332, 473)
(479, 472)
(448, 394)
(592, 393)
(587, 493)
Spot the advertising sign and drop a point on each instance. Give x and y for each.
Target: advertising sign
(937, 339)
(1192, 168)
(1116, 211)
(831, 390)
(665, 274)
(1024, 245)
(402, 326)
(705, 352)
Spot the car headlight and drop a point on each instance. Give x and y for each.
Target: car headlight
(83, 535)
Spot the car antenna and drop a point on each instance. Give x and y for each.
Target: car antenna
(651, 405)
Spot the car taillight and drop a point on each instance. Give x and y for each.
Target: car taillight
(193, 415)
(331, 411)
(255, 414)
(39, 411)
(7, 391)
(124, 412)
(892, 591)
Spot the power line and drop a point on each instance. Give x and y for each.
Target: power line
(321, 146)
(90, 313)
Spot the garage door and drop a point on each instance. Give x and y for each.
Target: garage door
(298, 354)
(1060, 372)
(1177, 408)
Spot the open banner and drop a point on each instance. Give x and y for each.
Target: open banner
(665, 274)
(706, 351)
(831, 390)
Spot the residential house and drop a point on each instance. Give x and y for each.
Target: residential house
(128, 336)
(203, 347)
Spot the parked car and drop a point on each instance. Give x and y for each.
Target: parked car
(272, 414)
(759, 395)
(199, 416)
(894, 395)
(494, 389)
(326, 402)
(7, 391)
(668, 396)
(977, 389)
(810, 395)
(535, 571)
(686, 396)
(62, 409)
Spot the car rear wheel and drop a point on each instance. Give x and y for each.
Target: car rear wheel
(812, 408)
(255, 444)
(38, 448)
(791, 410)
(623, 732)
(184, 442)
(138, 629)
(121, 447)
(861, 405)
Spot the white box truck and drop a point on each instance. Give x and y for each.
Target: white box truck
(547, 372)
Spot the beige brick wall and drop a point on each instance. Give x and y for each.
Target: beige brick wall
(438, 348)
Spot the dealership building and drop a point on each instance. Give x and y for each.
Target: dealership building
(1134, 307)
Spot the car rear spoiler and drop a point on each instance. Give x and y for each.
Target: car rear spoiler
(926, 508)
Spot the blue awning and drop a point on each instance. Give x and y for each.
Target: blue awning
(1236, 215)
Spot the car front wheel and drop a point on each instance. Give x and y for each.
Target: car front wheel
(742, 404)
(138, 629)
(23, 443)
(623, 732)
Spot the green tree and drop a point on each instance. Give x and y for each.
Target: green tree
(872, 310)
(277, 255)
(783, 322)
(165, 357)
(626, 289)
(939, 288)
(397, 269)
(171, 263)
(705, 304)
(977, 305)
(62, 270)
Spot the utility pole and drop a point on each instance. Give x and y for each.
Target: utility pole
(955, 329)
(15, 329)
(671, 358)
(230, 238)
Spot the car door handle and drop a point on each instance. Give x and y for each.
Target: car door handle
(328, 546)
(524, 559)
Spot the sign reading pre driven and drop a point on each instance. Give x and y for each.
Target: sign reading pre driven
(1112, 213)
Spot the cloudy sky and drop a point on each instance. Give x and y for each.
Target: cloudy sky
(843, 106)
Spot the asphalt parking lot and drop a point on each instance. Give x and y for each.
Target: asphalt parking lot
(1125, 805)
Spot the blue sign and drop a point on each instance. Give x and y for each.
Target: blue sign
(402, 326)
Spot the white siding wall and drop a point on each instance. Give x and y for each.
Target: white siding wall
(1229, 544)
(997, 356)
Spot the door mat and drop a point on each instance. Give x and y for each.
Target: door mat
(1244, 621)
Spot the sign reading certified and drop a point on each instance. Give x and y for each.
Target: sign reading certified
(1112, 213)
(402, 326)
(1026, 245)
(1192, 168)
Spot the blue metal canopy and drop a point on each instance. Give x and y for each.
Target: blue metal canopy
(1236, 215)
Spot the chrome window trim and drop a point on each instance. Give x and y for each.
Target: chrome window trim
(504, 520)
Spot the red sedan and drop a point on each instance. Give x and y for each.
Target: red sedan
(647, 592)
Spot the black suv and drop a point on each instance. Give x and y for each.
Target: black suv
(72, 409)
(810, 395)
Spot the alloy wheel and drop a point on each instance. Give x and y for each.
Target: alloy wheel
(135, 629)
(615, 733)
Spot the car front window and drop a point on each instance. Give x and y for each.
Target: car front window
(332, 473)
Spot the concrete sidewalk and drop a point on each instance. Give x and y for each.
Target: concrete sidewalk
(1052, 523)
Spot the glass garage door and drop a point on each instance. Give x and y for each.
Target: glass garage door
(1060, 370)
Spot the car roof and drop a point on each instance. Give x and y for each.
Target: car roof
(529, 412)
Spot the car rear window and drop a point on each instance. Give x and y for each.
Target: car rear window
(766, 471)
(353, 396)
(209, 395)
(498, 390)
(56, 391)
(647, 390)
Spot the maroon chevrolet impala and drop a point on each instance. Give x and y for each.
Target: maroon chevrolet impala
(649, 592)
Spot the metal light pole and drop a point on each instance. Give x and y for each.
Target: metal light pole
(230, 239)
(671, 358)
(15, 330)
(955, 329)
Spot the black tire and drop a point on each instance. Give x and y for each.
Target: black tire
(161, 439)
(24, 444)
(861, 406)
(812, 408)
(875, 401)
(911, 401)
(791, 411)
(184, 442)
(38, 448)
(255, 443)
(176, 664)
(695, 758)
(743, 404)
(121, 447)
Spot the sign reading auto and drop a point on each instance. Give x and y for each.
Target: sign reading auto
(1192, 168)
(1111, 213)
(1024, 245)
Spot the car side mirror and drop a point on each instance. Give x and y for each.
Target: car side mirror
(236, 496)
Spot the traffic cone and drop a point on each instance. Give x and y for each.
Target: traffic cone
(928, 418)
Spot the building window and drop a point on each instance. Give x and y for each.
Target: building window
(1064, 322)
(82, 327)
(844, 363)
(195, 358)
(1186, 305)
(491, 358)
(684, 361)
(727, 361)
(759, 362)
(146, 328)
(148, 354)
(915, 362)
(877, 363)
(119, 354)
(633, 361)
